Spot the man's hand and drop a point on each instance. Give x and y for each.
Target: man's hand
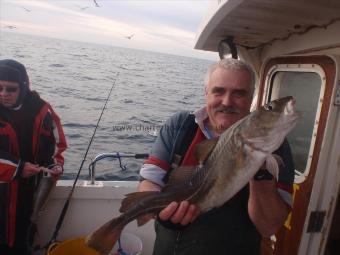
(266, 208)
(30, 170)
(182, 213)
(56, 171)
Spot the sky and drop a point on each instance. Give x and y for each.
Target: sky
(154, 25)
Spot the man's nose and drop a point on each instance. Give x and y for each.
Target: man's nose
(227, 99)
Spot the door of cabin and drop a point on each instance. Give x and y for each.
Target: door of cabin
(311, 80)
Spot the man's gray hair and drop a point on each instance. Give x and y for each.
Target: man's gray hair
(231, 64)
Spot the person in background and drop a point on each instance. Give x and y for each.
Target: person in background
(31, 142)
(259, 209)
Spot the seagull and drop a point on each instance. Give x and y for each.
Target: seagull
(95, 2)
(10, 27)
(28, 10)
(82, 8)
(129, 36)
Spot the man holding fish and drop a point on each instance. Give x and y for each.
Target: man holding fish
(216, 180)
(31, 143)
(258, 209)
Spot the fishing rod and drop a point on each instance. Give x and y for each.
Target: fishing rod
(67, 202)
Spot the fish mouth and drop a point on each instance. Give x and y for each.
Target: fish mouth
(290, 107)
(290, 111)
(288, 121)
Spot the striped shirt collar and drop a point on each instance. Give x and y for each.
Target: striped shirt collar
(201, 116)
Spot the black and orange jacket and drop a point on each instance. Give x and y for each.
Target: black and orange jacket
(48, 142)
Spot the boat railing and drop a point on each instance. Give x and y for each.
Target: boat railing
(114, 155)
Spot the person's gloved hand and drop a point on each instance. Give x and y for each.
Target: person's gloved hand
(30, 170)
(55, 171)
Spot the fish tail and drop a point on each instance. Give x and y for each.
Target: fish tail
(103, 239)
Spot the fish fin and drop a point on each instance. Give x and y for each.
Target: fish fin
(272, 164)
(104, 238)
(141, 220)
(131, 198)
(180, 175)
(279, 159)
(204, 148)
(240, 159)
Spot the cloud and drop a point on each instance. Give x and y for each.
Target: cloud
(157, 25)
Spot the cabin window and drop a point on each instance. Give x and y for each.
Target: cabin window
(306, 85)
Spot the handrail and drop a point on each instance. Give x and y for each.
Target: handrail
(114, 155)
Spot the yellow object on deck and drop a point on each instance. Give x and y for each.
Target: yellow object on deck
(71, 247)
(288, 224)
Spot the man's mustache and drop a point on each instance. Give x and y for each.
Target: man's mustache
(227, 109)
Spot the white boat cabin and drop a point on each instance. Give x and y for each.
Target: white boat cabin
(294, 46)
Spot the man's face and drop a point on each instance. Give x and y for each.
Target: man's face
(9, 93)
(228, 97)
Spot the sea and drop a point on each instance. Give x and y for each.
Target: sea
(76, 78)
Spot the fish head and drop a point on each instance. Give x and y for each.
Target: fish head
(267, 126)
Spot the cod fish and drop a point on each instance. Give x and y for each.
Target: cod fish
(41, 195)
(46, 185)
(227, 164)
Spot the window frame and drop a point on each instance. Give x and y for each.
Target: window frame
(268, 87)
(317, 191)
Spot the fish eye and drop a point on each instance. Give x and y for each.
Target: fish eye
(269, 107)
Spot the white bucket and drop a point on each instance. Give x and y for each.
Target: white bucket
(130, 244)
